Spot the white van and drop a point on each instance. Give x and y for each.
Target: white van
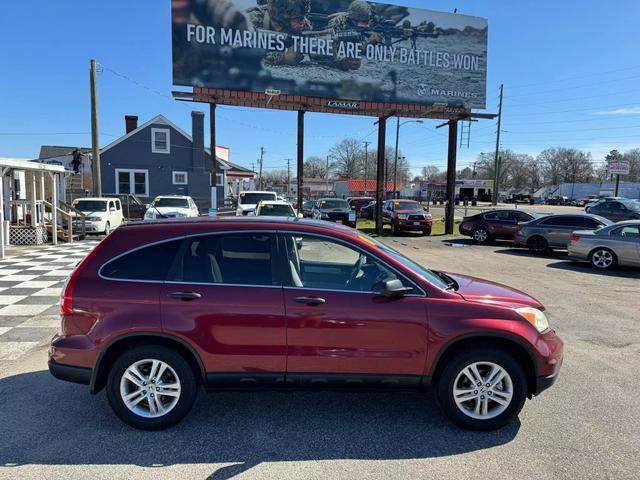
(101, 214)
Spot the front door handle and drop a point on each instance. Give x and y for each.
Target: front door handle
(186, 296)
(311, 300)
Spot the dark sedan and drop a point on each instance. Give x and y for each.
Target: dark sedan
(493, 225)
(334, 210)
(617, 210)
(369, 211)
(554, 231)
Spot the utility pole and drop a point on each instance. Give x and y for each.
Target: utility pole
(395, 163)
(288, 175)
(366, 164)
(326, 189)
(496, 162)
(95, 148)
(213, 211)
(260, 164)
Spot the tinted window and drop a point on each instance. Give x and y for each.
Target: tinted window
(412, 206)
(630, 231)
(230, 259)
(118, 207)
(171, 202)
(523, 217)
(276, 211)
(587, 223)
(253, 198)
(334, 204)
(552, 221)
(503, 215)
(320, 263)
(148, 263)
(90, 205)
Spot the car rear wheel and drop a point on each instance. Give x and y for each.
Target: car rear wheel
(603, 258)
(483, 389)
(151, 387)
(537, 244)
(480, 235)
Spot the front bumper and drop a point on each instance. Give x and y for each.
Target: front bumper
(413, 225)
(70, 373)
(550, 347)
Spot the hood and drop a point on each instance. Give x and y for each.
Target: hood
(169, 210)
(477, 290)
(247, 206)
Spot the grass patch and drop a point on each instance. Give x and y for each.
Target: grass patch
(437, 229)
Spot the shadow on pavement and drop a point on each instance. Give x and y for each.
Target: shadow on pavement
(46, 421)
(523, 252)
(583, 267)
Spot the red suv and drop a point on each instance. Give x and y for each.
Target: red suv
(406, 215)
(159, 309)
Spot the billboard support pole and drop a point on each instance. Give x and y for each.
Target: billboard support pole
(300, 157)
(213, 211)
(496, 160)
(380, 173)
(617, 185)
(451, 176)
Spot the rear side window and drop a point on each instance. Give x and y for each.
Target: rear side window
(552, 221)
(150, 263)
(503, 215)
(587, 223)
(523, 217)
(240, 259)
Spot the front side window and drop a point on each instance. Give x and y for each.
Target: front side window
(160, 140)
(235, 259)
(150, 263)
(323, 264)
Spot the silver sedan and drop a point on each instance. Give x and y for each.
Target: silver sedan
(617, 244)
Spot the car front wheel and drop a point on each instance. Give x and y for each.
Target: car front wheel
(483, 389)
(480, 235)
(151, 387)
(107, 228)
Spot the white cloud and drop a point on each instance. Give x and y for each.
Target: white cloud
(621, 111)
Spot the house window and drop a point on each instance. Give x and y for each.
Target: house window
(132, 181)
(180, 178)
(160, 140)
(219, 179)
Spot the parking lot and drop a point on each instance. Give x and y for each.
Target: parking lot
(587, 425)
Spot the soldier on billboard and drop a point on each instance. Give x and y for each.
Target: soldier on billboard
(286, 16)
(353, 26)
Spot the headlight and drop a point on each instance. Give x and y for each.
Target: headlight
(428, 216)
(92, 219)
(535, 317)
(403, 216)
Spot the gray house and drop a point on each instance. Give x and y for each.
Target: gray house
(159, 158)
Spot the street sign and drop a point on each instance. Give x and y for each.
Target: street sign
(619, 167)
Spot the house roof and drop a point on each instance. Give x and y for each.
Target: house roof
(56, 151)
(371, 185)
(162, 120)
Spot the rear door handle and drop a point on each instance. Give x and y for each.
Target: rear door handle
(311, 300)
(186, 296)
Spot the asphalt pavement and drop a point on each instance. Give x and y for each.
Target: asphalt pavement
(586, 426)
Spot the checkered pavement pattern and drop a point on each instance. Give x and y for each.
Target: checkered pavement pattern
(30, 286)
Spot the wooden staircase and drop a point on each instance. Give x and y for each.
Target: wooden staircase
(65, 228)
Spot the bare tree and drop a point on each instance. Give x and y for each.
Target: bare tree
(633, 157)
(429, 172)
(565, 165)
(315, 167)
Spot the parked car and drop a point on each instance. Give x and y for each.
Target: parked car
(618, 244)
(495, 224)
(557, 200)
(368, 212)
(132, 207)
(406, 216)
(101, 214)
(158, 309)
(247, 201)
(356, 203)
(617, 210)
(554, 231)
(171, 206)
(307, 208)
(587, 207)
(274, 209)
(334, 210)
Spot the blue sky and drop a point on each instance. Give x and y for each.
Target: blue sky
(571, 71)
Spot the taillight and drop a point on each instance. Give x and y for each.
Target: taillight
(66, 296)
(575, 238)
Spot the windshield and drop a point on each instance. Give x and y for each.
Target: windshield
(334, 204)
(412, 206)
(171, 202)
(429, 275)
(276, 211)
(90, 205)
(631, 204)
(255, 198)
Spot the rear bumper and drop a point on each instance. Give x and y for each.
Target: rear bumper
(70, 373)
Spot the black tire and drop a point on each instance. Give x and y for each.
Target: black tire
(537, 244)
(603, 258)
(188, 388)
(394, 229)
(447, 378)
(426, 232)
(481, 236)
(107, 228)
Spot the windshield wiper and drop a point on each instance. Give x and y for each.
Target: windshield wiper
(451, 283)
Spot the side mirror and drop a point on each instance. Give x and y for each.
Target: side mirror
(394, 289)
(300, 215)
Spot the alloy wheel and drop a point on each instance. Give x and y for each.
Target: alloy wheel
(483, 390)
(150, 388)
(480, 235)
(602, 259)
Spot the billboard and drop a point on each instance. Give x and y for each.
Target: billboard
(335, 49)
(619, 167)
